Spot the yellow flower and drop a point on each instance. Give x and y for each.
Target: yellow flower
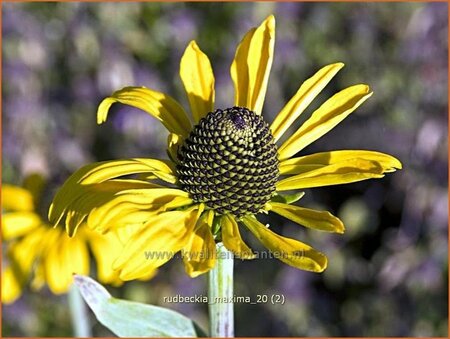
(41, 254)
(222, 171)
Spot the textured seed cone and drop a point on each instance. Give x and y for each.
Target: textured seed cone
(229, 162)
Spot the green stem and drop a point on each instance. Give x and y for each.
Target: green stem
(78, 314)
(220, 295)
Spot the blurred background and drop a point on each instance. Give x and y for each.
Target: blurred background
(387, 275)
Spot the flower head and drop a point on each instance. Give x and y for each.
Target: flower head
(223, 171)
(229, 161)
(41, 254)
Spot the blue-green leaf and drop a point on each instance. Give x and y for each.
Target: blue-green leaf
(131, 319)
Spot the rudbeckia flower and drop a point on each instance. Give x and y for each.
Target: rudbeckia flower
(223, 170)
(38, 253)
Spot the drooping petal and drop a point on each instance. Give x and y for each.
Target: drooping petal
(131, 207)
(22, 256)
(105, 248)
(65, 257)
(199, 254)
(11, 286)
(24, 253)
(251, 66)
(38, 279)
(106, 170)
(304, 96)
(289, 251)
(16, 199)
(124, 234)
(156, 242)
(325, 118)
(96, 173)
(318, 220)
(160, 105)
(17, 224)
(344, 172)
(232, 239)
(198, 79)
(318, 160)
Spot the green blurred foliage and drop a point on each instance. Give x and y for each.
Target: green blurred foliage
(387, 274)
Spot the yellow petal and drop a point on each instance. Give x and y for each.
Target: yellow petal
(174, 142)
(131, 207)
(198, 80)
(16, 198)
(149, 275)
(38, 280)
(17, 224)
(304, 96)
(160, 105)
(344, 172)
(318, 160)
(65, 257)
(325, 118)
(318, 220)
(156, 242)
(24, 253)
(199, 254)
(106, 170)
(123, 235)
(24, 257)
(232, 240)
(11, 286)
(251, 66)
(105, 248)
(77, 184)
(289, 251)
